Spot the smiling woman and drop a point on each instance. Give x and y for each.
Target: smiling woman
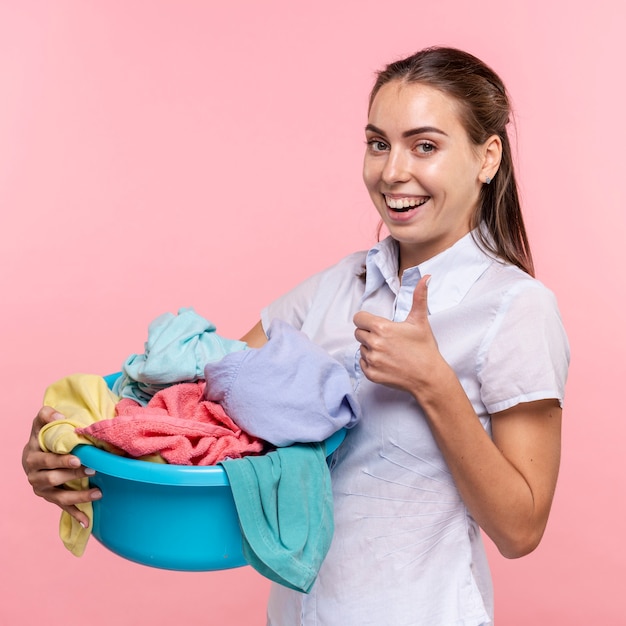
(471, 99)
(457, 356)
(422, 171)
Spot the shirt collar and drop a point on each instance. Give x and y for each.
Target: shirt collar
(381, 266)
(453, 271)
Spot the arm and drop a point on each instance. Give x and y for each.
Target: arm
(507, 483)
(255, 338)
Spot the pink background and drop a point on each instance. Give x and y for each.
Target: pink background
(155, 155)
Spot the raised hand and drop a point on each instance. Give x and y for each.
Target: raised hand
(403, 355)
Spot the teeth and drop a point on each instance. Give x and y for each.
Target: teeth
(404, 203)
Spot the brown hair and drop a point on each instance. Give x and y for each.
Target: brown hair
(485, 111)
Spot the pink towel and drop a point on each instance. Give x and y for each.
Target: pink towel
(177, 424)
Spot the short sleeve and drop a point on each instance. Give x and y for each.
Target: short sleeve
(293, 306)
(311, 301)
(525, 354)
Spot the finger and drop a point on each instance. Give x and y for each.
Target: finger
(51, 485)
(363, 361)
(68, 497)
(419, 308)
(72, 499)
(35, 460)
(370, 340)
(77, 514)
(47, 472)
(47, 462)
(362, 336)
(50, 461)
(364, 320)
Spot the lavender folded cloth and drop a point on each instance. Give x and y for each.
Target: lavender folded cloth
(288, 391)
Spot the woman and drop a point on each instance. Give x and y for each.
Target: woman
(457, 354)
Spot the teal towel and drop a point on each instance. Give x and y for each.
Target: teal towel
(285, 508)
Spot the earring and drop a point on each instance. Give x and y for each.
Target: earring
(488, 180)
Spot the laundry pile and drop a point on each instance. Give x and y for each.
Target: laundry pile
(196, 398)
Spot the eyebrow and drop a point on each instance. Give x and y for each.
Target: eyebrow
(407, 133)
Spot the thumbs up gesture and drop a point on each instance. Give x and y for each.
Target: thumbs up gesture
(399, 354)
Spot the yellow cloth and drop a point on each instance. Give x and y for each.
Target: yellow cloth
(83, 399)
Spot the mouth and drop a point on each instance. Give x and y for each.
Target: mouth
(402, 205)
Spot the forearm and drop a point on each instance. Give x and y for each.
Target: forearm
(255, 338)
(509, 503)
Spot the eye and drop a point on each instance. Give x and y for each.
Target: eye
(426, 147)
(376, 145)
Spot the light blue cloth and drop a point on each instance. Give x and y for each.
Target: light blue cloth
(177, 349)
(285, 507)
(288, 391)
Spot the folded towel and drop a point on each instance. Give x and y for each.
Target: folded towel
(178, 424)
(290, 390)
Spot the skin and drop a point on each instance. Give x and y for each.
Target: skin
(417, 148)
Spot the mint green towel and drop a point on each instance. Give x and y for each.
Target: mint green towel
(285, 508)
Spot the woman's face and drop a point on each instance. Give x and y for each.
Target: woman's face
(421, 170)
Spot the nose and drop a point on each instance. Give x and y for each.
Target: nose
(396, 168)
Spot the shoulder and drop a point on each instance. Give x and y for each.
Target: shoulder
(338, 279)
(349, 267)
(524, 312)
(521, 309)
(346, 270)
(524, 354)
(513, 285)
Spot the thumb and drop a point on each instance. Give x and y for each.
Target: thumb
(46, 415)
(49, 414)
(419, 309)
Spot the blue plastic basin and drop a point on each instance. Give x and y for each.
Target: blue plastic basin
(174, 517)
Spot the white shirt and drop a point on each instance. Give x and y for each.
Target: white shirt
(405, 549)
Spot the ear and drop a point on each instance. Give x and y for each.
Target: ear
(491, 153)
